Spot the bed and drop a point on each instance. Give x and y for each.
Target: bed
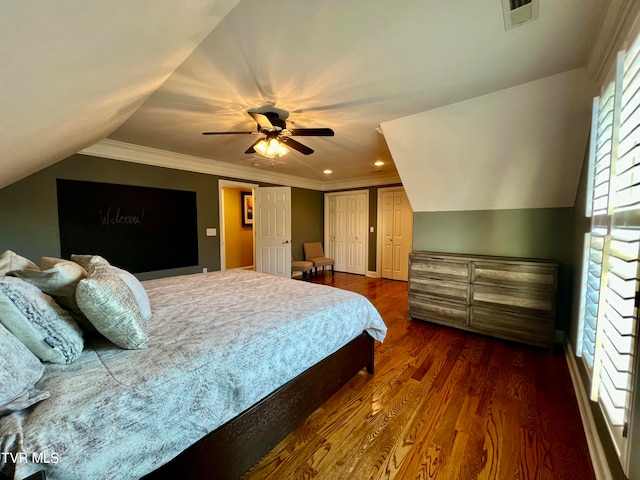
(235, 361)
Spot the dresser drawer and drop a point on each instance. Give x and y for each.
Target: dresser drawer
(435, 267)
(515, 275)
(424, 307)
(508, 297)
(520, 301)
(447, 290)
(514, 326)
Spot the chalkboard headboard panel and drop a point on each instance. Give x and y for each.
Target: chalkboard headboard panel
(140, 229)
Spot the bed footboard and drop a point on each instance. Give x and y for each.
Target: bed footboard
(231, 450)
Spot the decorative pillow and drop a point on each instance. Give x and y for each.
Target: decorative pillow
(19, 371)
(39, 322)
(48, 262)
(60, 281)
(109, 304)
(89, 261)
(10, 260)
(138, 290)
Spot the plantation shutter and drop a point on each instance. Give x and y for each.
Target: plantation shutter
(611, 275)
(599, 181)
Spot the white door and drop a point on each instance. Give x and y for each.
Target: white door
(387, 235)
(356, 233)
(273, 230)
(397, 235)
(347, 223)
(337, 238)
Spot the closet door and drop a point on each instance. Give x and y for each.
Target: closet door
(330, 224)
(397, 235)
(338, 232)
(356, 215)
(346, 225)
(387, 235)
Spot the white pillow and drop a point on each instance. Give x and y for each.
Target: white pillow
(138, 292)
(10, 260)
(39, 322)
(19, 371)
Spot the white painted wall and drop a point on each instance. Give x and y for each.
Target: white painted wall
(521, 147)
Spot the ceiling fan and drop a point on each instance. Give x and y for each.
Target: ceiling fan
(277, 135)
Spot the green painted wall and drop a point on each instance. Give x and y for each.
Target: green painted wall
(307, 219)
(30, 206)
(29, 215)
(534, 233)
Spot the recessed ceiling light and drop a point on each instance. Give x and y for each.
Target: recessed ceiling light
(327, 171)
(379, 163)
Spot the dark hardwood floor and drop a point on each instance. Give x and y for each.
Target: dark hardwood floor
(442, 404)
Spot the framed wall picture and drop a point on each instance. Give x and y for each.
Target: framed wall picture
(247, 208)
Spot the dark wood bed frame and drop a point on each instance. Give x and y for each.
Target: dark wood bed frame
(231, 450)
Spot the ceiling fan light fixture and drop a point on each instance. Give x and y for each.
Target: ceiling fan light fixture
(270, 148)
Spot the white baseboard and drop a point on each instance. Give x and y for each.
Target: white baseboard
(598, 458)
(372, 274)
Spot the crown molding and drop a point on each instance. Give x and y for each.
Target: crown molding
(360, 182)
(616, 24)
(129, 152)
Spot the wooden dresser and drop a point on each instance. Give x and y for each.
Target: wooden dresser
(506, 297)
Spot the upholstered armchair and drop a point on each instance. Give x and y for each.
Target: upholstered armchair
(313, 253)
(302, 266)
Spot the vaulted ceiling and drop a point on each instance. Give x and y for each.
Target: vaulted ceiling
(156, 73)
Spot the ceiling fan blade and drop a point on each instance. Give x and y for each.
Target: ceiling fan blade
(262, 120)
(227, 133)
(290, 142)
(251, 149)
(311, 132)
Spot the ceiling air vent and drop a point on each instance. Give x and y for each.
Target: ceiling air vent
(519, 12)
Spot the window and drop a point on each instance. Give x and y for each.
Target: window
(609, 310)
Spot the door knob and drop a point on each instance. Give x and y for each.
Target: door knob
(285, 242)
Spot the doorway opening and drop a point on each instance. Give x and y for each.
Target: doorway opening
(237, 234)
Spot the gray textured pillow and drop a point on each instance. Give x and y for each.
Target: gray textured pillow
(39, 322)
(88, 262)
(19, 371)
(109, 304)
(10, 260)
(60, 281)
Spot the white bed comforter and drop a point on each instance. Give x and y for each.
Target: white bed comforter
(218, 343)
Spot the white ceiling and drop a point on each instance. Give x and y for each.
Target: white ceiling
(157, 73)
(72, 71)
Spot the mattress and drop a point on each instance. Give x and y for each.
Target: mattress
(218, 343)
